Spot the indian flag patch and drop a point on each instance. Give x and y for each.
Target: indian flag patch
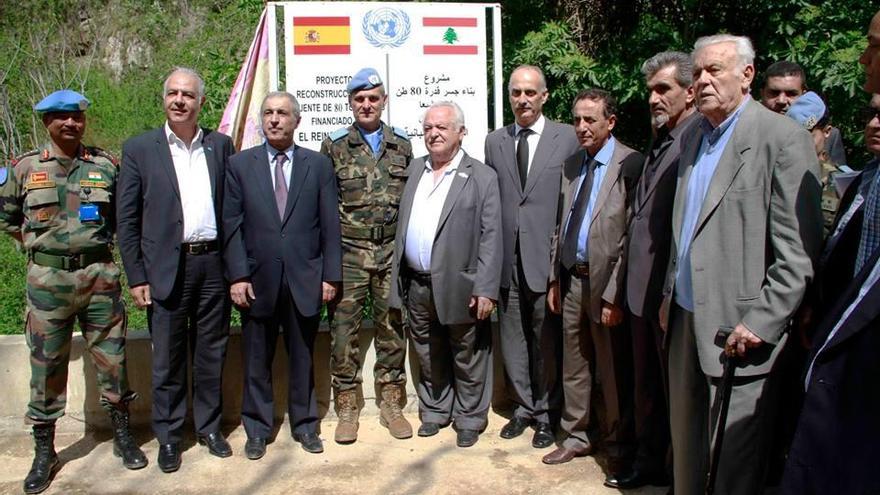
(95, 176)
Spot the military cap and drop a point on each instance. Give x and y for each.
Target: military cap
(366, 78)
(64, 100)
(807, 110)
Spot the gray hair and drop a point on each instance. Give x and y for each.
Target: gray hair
(536, 69)
(190, 72)
(684, 67)
(294, 105)
(745, 52)
(456, 111)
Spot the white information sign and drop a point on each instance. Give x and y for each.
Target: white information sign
(425, 53)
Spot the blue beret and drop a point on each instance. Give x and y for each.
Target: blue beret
(366, 78)
(807, 110)
(64, 100)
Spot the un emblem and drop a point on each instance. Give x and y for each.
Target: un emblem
(386, 27)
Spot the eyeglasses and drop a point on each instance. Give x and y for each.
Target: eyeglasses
(870, 113)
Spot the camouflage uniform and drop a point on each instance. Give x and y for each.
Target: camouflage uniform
(70, 274)
(369, 195)
(830, 200)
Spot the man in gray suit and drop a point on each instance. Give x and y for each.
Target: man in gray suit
(669, 77)
(527, 156)
(587, 269)
(747, 225)
(446, 272)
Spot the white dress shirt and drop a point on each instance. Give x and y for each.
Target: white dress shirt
(424, 216)
(194, 182)
(286, 168)
(537, 129)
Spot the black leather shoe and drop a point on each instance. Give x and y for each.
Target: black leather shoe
(632, 479)
(169, 457)
(428, 429)
(543, 437)
(467, 438)
(515, 427)
(310, 442)
(217, 445)
(255, 448)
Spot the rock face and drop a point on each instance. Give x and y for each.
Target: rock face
(121, 51)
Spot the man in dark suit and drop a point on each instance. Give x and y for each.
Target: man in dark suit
(747, 225)
(527, 156)
(669, 77)
(836, 446)
(283, 258)
(169, 204)
(445, 272)
(587, 271)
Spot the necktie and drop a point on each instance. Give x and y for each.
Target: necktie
(578, 210)
(870, 224)
(522, 156)
(280, 183)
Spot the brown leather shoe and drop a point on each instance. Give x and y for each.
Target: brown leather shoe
(564, 454)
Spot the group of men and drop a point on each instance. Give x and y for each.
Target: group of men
(641, 276)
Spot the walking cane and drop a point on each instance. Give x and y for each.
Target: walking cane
(721, 404)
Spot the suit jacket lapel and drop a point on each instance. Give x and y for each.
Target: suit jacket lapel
(685, 167)
(459, 178)
(414, 175)
(611, 177)
(299, 172)
(264, 179)
(864, 313)
(508, 154)
(211, 161)
(546, 144)
(732, 160)
(163, 151)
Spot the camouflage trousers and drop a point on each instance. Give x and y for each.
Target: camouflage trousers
(55, 299)
(345, 351)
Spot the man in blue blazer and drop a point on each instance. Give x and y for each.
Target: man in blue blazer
(284, 260)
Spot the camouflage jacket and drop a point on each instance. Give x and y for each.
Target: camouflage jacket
(41, 196)
(830, 198)
(369, 187)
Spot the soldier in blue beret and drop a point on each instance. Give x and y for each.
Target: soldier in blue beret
(58, 202)
(811, 112)
(370, 159)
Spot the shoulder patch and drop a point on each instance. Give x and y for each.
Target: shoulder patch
(95, 151)
(400, 132)
(338, 134)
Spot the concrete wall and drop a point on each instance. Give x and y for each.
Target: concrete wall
(83, 394)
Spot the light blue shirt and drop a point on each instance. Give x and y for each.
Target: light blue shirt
(286, 168)
(374, 139)
(711, 148)
(603, 158)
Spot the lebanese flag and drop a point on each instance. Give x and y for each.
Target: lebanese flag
(321, 36)
(447, 33)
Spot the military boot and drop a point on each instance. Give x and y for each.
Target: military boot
(347, 411)
(45, 459)
(391, 412)
(124, 445)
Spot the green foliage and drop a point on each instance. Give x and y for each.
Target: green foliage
(12, 277)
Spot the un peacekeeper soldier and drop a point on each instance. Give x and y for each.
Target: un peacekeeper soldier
(811, 112)
(370, 159)
(58, 201)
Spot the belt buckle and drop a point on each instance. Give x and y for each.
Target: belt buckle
(73, 263)
(197, 248)
(377, 234)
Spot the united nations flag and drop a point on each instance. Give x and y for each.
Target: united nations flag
(386, 27)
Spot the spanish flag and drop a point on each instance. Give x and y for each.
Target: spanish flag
(321, 36)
